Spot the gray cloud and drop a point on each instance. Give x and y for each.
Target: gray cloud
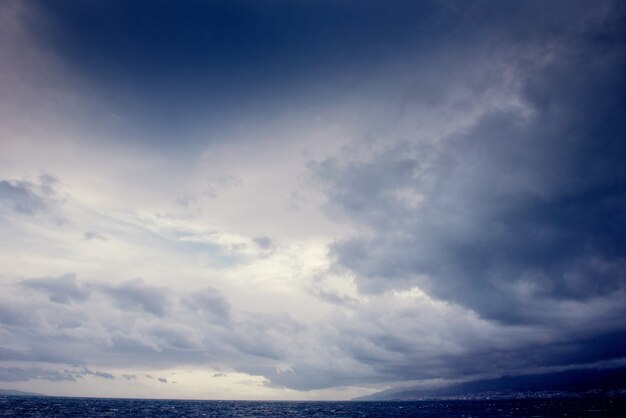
(136, 294)
(17, 374)
(266, 336)
(44, 354)
(21, 197)
(210, 303)
(263, 242)
(131, 294)
(13, 314)
(18, 196)
(34, 199)
(317, 289)
(103, 375)
(398, 341)
(93, 235)
(173, 337)
(63, 289)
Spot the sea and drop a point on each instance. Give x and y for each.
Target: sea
(21, 406)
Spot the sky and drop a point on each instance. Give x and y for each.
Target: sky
(308, 199)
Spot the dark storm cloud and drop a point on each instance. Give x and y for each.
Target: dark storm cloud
(211, 61)
(63, 289)
(487, 360)
(164, 41)
(518, 212)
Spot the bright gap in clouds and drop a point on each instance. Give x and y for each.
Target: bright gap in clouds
(246, 201)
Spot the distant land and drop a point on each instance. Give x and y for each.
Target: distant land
(12, 392)
(579, 382)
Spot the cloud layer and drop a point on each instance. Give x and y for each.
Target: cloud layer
(231, 200)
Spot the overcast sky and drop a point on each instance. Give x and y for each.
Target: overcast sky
(308, 199)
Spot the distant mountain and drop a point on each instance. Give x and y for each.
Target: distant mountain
(580, 382)
(12, 392)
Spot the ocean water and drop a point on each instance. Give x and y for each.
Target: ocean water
(13, 406)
